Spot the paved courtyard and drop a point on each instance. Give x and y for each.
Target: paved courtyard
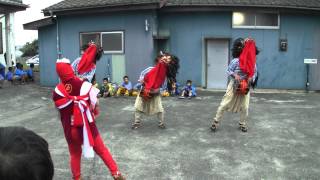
(283, 141)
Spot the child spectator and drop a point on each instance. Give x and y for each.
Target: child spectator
(9, 75)
(106, 90)
(174, 88)
(95, 84)
(164, 92)
(30, 72)
(188, 90)
(2, 74)
(1, 81)
(136, 89)
(125, 88)
(19, 74)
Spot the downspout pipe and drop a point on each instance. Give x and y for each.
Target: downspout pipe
(59, 54)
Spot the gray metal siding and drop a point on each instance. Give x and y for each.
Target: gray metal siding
(279, 70)
(138, 42)
(187, 32)
(48, 55)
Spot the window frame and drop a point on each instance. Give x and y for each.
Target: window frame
(122, 42)
(100, 44)
(85, 33)
(255, 26)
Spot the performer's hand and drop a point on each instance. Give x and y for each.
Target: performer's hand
(237, 77)
(96, 112)
(250, 80)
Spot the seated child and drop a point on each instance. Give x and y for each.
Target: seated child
(174, 88)
(1, 80)
(19, 74)
(125, 88)
(2, 74)
(95, 84)
(136, 89)
(164, 92)
(106, 89)
(9, 75)
(30, 72)
(188, 90)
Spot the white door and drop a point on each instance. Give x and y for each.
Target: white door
(217, 59)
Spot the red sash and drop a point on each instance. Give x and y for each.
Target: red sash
(82, 114)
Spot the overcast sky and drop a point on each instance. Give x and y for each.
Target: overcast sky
(31, 14)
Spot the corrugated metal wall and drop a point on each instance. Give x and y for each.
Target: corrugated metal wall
(279, 70)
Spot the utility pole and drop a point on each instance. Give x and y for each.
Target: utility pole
(10, 45)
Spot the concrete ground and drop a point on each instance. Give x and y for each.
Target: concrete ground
(283, 141)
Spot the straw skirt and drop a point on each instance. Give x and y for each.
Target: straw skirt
(149, 107)
(234, 102)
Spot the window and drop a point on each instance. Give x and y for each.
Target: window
(255, 20)
(86, 38)
(112, 42)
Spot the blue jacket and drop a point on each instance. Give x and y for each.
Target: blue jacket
(190, 88)
(9, 76)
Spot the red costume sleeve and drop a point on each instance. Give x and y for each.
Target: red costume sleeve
(155, 78)
(87, 62)
(248, 58)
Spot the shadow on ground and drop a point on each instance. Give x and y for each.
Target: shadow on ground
(282, 142)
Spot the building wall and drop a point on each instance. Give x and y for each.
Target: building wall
(138, 43)
(187, 33)
(48, 55)
(280, 70)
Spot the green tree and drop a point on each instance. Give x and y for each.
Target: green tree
(30, 49)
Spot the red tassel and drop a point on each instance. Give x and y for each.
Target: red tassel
(90, 137)
(77, 116)
(248, 58)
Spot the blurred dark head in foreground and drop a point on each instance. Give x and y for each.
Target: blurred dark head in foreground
(24, 155)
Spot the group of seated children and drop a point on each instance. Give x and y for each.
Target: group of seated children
(173, 89)
(17, 74)
(108, 89)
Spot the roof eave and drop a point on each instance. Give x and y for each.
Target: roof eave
(8, 8)
(244, 6)
(98, 9)
(35, 25)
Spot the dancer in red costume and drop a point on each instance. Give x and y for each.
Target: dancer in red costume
(243, 73)
(148, 101)
(77, 103)
(85, 66)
